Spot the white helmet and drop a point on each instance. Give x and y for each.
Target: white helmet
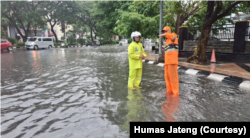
(135, 34)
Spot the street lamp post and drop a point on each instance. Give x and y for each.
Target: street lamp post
(160, 26)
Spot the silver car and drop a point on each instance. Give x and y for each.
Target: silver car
(123, 42)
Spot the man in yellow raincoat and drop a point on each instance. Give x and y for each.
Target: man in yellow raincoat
(171, 60)
(135, 54)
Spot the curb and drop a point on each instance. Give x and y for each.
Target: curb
(236, 81)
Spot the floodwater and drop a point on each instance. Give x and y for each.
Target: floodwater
(82, 92)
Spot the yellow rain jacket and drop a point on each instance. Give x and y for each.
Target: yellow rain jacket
(134, 51)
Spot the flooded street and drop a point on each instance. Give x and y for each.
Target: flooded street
(82, 92)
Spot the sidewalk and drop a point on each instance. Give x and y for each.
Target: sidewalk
(230, 69)
(237, 74)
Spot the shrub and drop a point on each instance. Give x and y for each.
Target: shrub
(108, 42)
(20, 44)
(82, 41)
(12, 40)
(72, 44)
(57, 44)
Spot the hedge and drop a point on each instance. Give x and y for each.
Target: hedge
(20, 44)
(72, 44)
(57, 44)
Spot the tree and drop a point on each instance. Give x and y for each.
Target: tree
(58, 12)
(215, 11)
(133, 21)
(181, 11)
(106, 13)
(22, 14)
(85, 16)
(175, 12)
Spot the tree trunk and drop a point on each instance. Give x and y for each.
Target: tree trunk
(199, 56)
(202, 44)
(177, 24)
(54, 33)
(52, 29)
(91, 35)
(143, 41)
(35, 31)
(26, 32)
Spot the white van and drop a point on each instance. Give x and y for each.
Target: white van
(39, 42)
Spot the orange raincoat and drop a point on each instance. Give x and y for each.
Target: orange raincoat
(171, 63)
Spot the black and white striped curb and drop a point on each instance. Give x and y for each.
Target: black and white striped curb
(237, 81)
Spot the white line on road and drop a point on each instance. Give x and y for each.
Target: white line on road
(216, 77)
(192, 71)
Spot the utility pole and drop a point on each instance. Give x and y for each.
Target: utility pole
(160, 26)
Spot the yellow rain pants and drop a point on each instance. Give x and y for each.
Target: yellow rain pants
(135, 64)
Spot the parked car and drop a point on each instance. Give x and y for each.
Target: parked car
(6, 45)
(39, 42)
(64, 43)
(123, 42)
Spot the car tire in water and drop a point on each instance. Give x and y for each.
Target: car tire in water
(49, 47)
(35, 47)
(9, 48)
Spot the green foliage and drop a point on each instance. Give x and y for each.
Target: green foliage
(108, 42)
(71, 40)
(3, 32)
(197, 20)
(22, 14)
(72, 44)
(20, 44)
(12, 40)
(129, 41)
(82, 41)
(57, 44)
(133, 21)
(88, 36)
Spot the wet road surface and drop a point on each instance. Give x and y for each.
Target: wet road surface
(82, 92)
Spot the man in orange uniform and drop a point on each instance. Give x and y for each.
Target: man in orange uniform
(171, 60)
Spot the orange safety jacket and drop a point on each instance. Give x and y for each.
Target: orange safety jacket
(171, 49)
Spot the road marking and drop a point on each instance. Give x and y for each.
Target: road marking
(151, 62)
(245, 85)
(216, 77)
(191, 71)
(161, 64)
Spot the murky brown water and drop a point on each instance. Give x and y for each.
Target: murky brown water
(82, 92)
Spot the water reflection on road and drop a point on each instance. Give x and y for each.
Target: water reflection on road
(82, 92)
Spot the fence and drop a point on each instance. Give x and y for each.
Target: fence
(225, 33)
